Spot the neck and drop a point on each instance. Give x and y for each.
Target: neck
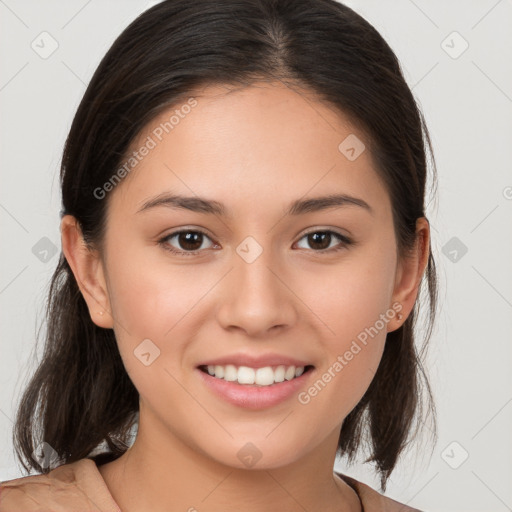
(161, 473)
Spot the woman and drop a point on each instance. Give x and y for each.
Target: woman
(243, 245)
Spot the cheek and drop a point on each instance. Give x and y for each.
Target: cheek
(350, 296)
(149, 295)
(355, 309)
(153, 299)
(351, 355)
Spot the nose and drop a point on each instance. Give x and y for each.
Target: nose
(256, 297)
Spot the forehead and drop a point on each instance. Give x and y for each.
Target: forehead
(265, 142)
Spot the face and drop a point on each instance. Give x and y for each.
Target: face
(254, 283)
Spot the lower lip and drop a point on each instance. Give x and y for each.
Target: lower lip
(254, 397)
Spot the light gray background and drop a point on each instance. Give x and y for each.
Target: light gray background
(467, 102)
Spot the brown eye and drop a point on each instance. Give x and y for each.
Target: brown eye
(190, 241)
(187, 241)
(321, 240)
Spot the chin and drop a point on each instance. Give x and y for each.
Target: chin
(258, 452)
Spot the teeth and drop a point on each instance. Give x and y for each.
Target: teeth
(219, 371)
(245, 375)
(279, 374)
(289, 373)
(265, 376)
(230, 373)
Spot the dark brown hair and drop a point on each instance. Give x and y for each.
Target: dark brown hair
(80, 396)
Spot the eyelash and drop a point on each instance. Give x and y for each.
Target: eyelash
(345, 242)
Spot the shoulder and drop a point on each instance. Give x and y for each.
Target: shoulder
(73, 486)
(374, 501)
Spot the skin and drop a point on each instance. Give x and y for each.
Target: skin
(255, 150)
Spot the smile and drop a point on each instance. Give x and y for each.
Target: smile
(266, 376)
(255, 388)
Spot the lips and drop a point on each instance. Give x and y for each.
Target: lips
(255, 382)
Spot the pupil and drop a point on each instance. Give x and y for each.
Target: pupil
(187, 239)
(324, 236)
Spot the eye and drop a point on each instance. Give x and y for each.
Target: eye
(321, 240)
(189, 240)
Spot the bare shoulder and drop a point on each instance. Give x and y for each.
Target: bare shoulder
(372, 500)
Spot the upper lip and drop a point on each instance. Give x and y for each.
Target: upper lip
(255, 361)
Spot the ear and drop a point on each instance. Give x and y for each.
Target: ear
(410, 272)
(87, 268)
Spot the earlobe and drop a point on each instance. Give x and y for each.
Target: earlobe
(410, 271)
(87, 268)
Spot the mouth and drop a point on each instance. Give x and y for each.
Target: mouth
(267, 376)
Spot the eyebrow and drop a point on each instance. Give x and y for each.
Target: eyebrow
(298, 207)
